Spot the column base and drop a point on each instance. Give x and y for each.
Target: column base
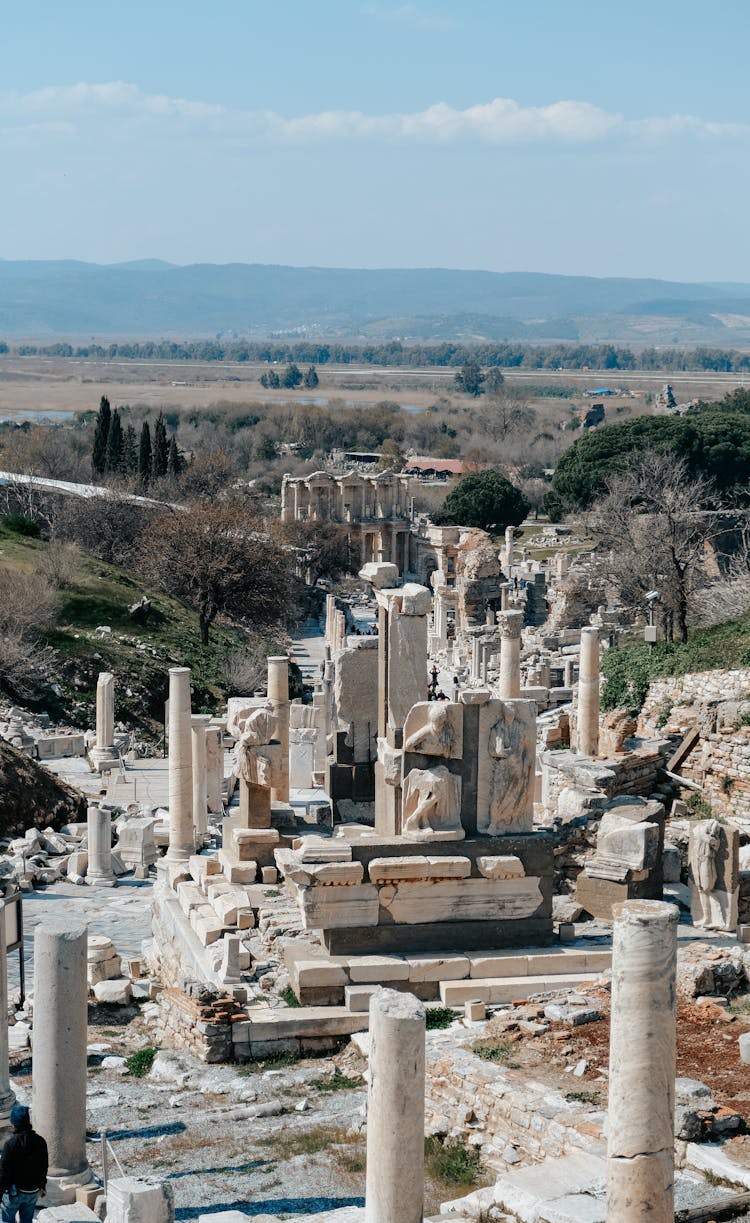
(104, 758)
(61, 1190)
(6, 1103)
(101, 881)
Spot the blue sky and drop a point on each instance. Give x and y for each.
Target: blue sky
(604, 138)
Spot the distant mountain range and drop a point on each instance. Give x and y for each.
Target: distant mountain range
(154, 298)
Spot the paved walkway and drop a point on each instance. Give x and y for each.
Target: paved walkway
(308, 650)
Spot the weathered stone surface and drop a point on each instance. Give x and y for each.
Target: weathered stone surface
(501, 867)
(382, 870)
(312, 873)
(432, 803)
(463, 900)
(332, 907)
(435, 728)
(714, 875)
(116, 992)
(505, 767)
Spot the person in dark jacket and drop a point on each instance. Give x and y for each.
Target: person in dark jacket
(23, 1168)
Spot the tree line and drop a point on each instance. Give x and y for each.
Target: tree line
(119, 451)
(509, 355)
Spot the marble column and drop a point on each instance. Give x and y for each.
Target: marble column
(214, 767)
(509, 624)
(104, 754)
(59, 1043)
(278, 699)
(587, 733)
(642, 1063)
(199, 723)
(569, 673)
(395, 1109)
(509, 535)
(7, 1095)
(99, 871)
(181, 838)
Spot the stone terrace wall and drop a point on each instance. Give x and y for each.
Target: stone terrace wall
(501, 1108)
(714, 701)
(689, 690)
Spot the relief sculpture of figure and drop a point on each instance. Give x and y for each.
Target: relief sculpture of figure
(258, 731)
(704, 844)
(437, 735)
(432, 803)
(512, 750)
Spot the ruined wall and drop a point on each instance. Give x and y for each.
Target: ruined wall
(674, 691)
(474, 1098)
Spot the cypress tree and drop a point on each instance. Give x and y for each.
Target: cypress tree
(144, 455)
(174, 458)
(129, 450)
(101, 437)
(311, 377)
(113, 457)
(160, 450)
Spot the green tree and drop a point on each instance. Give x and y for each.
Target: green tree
(484, 499)
(270, 379)
(174, 458)
(144, 455)
(292, 375)
(160, 449)
(113, 456)
(494, 380)
(311, 378)
(470, 379)
(101, 434)
(129, 450)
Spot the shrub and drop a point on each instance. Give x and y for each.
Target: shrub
(451, 1161)
(437, 1017)
(140, 1062)
(21, 525)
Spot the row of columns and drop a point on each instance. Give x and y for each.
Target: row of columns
(640, 1150)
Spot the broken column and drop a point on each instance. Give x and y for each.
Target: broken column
(199, 723)
(104, 755)
(509, 625)
(59, 1072)
(7, 1095)
(214, 767)
(278, 700)
(99, 871)
(395, 1109)
(588, 694)
(642, 1063)
(509, 537)
(181, 836)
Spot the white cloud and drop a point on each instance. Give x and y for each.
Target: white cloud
(501, 121)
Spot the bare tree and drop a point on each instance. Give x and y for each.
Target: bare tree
(218, 559)
(651, 533)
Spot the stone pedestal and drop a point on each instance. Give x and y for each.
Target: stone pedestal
(395, 1110)
(181, 836)
(278, 700)
(509, 625)
(7, 1095)
(587, 731)
(642, 1064)
(99, 872)
(59, 1073)
(105, 755)
(199, 724)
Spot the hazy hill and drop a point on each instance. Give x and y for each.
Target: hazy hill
(150, 297)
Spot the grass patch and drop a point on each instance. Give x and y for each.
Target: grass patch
(351, 1163)
(140, 1062)
(628, 669)
(449, 1160)
(698, 807)
(274, 1061)
(740, 1006)
(272, 892)
(318, 1138)
(289, 997)
(497, 1053)
(338, 1082)
(437, 1017)
(583, 1097)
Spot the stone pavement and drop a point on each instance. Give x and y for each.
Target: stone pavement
(308, 650)
(122, 913)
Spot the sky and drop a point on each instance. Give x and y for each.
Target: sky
(582, 137)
